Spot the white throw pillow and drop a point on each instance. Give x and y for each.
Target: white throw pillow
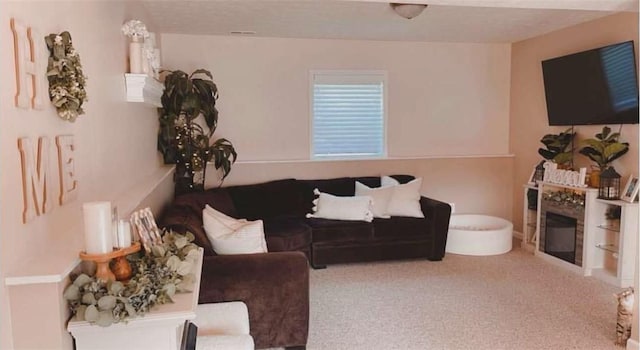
(232, 236)
(386, 181)
(380, 197)
(328, 206)
(405, 200)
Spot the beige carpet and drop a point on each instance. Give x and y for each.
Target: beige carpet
(511, 301)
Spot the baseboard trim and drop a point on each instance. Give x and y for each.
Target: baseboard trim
(633, 345)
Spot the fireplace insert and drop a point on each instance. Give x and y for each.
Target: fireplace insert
(560, 237)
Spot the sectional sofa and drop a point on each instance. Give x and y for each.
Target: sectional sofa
(274, 285)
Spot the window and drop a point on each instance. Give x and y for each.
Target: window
(348, 114)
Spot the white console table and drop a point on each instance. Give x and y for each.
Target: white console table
(159, 329)
(608, 249)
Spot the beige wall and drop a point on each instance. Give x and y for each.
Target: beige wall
(528, 109)
(115, 149)
(443, 98)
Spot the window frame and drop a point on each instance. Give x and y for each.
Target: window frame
(345, 74)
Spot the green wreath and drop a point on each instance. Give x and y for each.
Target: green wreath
(66, 78)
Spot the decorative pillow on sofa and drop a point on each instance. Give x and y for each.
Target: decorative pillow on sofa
(405, 200)
(232, 236)
(380, 197)
(328, 206)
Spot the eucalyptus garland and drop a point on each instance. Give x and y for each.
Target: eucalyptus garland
(66, 78)
(567, 198)
(157, 276)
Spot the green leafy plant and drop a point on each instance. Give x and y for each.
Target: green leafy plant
(604, 148)
(556, 147)
(157, 276)
(182, 139)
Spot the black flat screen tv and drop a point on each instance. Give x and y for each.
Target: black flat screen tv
(598, 86)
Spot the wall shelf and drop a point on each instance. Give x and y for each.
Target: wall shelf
(143, 88)
(611, 248)
(613, 228)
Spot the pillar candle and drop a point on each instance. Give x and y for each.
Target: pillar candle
(98, 235)
(124, 234)
(135, 55)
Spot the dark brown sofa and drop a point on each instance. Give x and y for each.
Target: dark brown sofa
(275, 285)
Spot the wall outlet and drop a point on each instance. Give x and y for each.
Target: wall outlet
(453, 207)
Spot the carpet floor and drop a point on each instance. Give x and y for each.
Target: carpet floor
(510, 301)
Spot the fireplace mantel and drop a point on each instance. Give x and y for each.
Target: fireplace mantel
(607, 252)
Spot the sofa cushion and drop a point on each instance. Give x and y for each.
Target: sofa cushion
(328, 206)
(287, 234)
(325, 230)
(399, 227)
(403, 179)
(380, 198)
(268, 200)
(218, 198)
(232, 236)
(405, 200)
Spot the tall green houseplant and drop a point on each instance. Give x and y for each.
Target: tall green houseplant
(187, 100)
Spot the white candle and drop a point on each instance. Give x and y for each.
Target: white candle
(98, 236)
(124, 234)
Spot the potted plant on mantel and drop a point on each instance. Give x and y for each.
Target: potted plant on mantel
(556, 148)
(603, 149)
(187, 100)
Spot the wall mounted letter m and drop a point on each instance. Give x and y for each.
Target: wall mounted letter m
(34, 178)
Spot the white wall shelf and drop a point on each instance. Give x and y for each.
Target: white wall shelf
(143, 88)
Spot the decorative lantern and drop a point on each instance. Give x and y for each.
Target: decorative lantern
(539, 173)
(609, 184)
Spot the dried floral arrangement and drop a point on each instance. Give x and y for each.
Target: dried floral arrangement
(157, 275)
(135, 29)
(66, 78)
(570, 198)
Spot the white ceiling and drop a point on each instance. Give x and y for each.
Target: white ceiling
(496, 21)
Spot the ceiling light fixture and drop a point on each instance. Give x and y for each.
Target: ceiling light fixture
(408, 11)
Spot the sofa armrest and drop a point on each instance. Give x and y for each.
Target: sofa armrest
(275, 288)
(438, 215)
(181, 219)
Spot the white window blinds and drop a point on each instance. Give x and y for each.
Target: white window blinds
(348, 115)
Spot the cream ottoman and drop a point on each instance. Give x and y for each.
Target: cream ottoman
(223, 326)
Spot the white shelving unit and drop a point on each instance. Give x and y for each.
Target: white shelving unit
(615, 241)
(609, 246)
(529, 221)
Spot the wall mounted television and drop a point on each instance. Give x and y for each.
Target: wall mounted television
(598, 86)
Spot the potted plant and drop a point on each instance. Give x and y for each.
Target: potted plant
(603, 149)
(187, 100)
(556, 148)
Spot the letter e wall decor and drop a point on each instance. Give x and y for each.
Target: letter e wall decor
(68, 182)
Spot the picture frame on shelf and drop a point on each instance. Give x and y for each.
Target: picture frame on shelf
(630, 191)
